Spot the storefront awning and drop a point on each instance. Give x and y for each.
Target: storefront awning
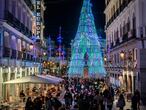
(32, 79)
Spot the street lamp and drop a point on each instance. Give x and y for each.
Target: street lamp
(105, 59)
(122, 54)
(44, 53)
(31, 46)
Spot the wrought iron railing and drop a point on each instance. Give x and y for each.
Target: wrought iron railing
(7, 52)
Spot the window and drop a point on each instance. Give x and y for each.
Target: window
(19, 13)
(117, 34)
(134, 22)
(118, 60)
(121, 31)
(24, 17)
(28, 22)
(123, 28)
(14, 8)
(128, 25)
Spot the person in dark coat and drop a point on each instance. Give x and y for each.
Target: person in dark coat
(37, 104)
(56, 103)
(138, 98)
(29, 104)
(121, 102)
(48, 104)
(84, 102)
(134, 101)
(68, 98)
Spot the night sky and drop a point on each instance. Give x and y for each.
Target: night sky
(65, 13)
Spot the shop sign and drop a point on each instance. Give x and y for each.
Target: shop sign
(38, 18)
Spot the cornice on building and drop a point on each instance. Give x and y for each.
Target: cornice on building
(17, 32)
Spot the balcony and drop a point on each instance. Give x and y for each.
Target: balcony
(14, 22)
(124, 39)
(19, 55)
(118, 11)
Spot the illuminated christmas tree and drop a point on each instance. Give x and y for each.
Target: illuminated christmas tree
(86, 59)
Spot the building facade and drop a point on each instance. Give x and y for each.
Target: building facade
(125, 44)
(19, 54)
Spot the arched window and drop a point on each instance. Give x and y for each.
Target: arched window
(134, 22)
(113, 37)
(121, 31)
(128, 25)
(124, 28)
(117, 34)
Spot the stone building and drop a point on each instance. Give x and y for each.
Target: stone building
(126, 46)
(19, 54)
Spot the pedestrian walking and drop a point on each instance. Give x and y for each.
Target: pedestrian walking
(68, 98)
(138, 98)
(121, 102)
(37, 103)
(48, 102)
(135, 101)
(96, 101)
(29, 104)
(101, 101)
(110, 102)
(56, 103)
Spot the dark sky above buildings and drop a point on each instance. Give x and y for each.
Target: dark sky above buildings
(65, 13)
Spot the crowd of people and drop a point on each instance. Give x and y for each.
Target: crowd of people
(41, 102)
(82, 94)
(90, 94)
